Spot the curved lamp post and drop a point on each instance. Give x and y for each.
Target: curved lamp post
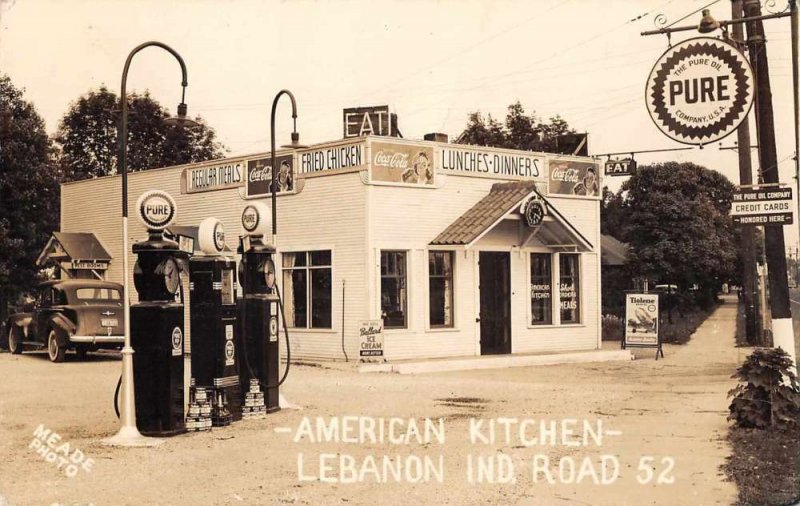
(128, 434)
(294, 145)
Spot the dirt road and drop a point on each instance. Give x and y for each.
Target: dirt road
(669, 409)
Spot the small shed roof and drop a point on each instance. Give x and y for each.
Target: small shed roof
(612, 251)
(73, 246)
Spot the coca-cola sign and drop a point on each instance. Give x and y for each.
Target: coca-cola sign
(402, 163)
(259, 176)
(569, 177)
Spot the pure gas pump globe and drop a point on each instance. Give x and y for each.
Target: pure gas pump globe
(157, 329)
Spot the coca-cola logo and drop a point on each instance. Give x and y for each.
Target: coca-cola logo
(565, 174)
(393, 160)
(261, 174)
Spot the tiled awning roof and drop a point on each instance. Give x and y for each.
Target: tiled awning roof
(502, 199)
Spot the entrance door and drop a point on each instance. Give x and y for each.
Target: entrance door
(495, 302)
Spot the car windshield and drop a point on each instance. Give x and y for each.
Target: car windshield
(97, 294)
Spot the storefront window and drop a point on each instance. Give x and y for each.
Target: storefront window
(541, 289)
(393, 289)
(307, 288)
(440, 288)
(569, 287)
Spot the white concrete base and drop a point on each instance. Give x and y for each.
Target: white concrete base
(284, 403)
(497, 362)
(783, 337)
(130, 436)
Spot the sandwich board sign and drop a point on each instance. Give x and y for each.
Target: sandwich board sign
(371, 340)
(641, 322)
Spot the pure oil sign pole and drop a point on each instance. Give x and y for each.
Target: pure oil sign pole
(710, 104)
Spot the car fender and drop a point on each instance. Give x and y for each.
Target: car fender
(21, 321)
(62, 323)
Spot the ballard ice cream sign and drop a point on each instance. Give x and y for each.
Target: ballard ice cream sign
(700, 90)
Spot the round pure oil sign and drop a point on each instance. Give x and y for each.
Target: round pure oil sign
(700, 90)
(156, 209)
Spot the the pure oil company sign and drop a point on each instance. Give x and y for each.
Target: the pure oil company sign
(700, 90)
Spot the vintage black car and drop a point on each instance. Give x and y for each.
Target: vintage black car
(80, 314)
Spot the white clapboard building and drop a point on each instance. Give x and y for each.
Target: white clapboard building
(460, 250)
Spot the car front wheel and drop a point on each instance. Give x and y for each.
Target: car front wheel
(14, 341)
(55, 351)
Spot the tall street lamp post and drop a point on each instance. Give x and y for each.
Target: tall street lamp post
(128, 434)
(294, 145)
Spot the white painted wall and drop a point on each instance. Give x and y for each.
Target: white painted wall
(355, 221)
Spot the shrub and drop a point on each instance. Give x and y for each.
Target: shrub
(613, 327)
(762, 398)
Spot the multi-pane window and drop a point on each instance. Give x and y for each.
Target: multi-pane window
(307, 286)
(394, 296)
(569, 287)
(541, 289)
(440, 288)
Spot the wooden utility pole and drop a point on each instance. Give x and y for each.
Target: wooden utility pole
(775, 249)
(747, 235)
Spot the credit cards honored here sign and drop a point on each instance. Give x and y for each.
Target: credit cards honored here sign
(762, 206)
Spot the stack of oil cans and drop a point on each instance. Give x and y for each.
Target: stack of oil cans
(254, 406)
(199, 416)
(220, 416)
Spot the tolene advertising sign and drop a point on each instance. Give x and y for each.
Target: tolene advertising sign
(641, 319)
(700, 90)
(402, 164)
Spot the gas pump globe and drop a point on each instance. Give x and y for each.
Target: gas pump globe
(259, 305)
(157, 321)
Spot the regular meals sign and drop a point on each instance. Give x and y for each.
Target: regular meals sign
(700, 90)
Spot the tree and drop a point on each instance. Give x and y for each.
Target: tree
(520, 131)
(677, 223)
(29, 192)
(87, 136)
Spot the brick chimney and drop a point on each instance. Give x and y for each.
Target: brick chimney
(436, 137)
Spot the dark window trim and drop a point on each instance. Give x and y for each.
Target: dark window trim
(452, 277)
(579, 289)
(550, 256)
(309, 299)
(395, 276)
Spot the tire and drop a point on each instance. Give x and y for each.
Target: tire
(14, 341)
(55, 351)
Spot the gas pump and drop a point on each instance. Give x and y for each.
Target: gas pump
(259, 307)
(212, 307)
(157, 322)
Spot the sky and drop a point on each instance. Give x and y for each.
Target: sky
(433, 62)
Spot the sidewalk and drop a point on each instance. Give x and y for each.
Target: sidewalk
(676, 407)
